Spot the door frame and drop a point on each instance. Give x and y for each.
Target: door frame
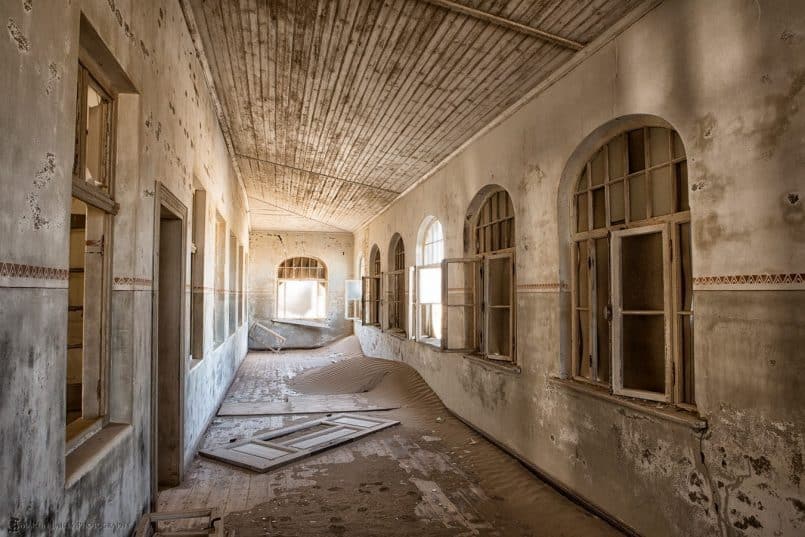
(165, 198)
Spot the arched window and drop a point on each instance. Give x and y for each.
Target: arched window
(479, 297)
(353, 300)
(632, 312)
(395, 285)
(371, 289)
(302, 289)
(428, 297)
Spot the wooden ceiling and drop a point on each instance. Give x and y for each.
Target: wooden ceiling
(334, 107)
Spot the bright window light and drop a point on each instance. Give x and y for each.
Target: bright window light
(301, 299)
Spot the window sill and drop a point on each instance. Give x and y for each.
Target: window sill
(494, 365)
(660, 410)
(194, 363)
(86, 456)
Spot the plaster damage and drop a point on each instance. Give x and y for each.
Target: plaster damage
(736, 102)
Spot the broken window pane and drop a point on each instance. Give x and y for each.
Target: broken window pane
(644, 352)
(642, 268)
(637, 198)
(582, 271)
(637, 157)
(599, 208)
(681, 177)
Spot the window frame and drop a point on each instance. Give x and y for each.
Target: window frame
(317, 273)
(395, 280)
(486, 217)
(98, 234)
(671, 222)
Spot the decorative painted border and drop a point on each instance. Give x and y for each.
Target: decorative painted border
(749, 282)
(131, 283)
(19, 275)
(541, 287)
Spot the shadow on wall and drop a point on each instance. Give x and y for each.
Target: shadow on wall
(297, 334)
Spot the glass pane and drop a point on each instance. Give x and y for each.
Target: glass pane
(679, 149)
(352, 290)
(582, 272)
(582, 184)
(644, 352)
(499, 281)
(637, 157)
(497, 333)
(688, 373)
(642, 272)
(96, 111)
(598, 168)
(686, 269)
(637, 198)
(429, 286)
(662, 192)
(617, 211)
(617, 157)
(681, 177)
(659, 145)
(459, 328)
(599, 208)
(602, 280)
(581, 212)
(584, 344)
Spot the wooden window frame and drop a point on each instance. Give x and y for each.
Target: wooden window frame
(371, 301)
(353, 302)
(512, 306)
(473, 304)
(494, 236)
(671, 223)
(96, 338)
(197, 274)
(305, 269)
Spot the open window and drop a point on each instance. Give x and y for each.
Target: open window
(371, 290)
(197, 278)
(93, 208)
(458, 298)
(425, 284)
(396, 286)
(632, 314)
(488, 273)
(353, 296)
(219, 309)
(302, 289)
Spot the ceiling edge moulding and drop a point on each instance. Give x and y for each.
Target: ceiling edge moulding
(611, 33)
(507, 23)
(192, 28)
(311, 172)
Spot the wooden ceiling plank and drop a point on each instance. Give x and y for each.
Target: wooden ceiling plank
(353, 52)
(391, 72)
(355, 114)
(423, 57)
(507, 23)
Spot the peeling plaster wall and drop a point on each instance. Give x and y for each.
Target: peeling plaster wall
(168, 133)
(268, 250)
(728, 75)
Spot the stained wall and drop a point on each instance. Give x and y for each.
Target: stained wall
(728, 75)
(168, 132)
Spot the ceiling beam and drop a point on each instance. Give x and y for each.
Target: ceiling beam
(506, 23)
(311, 172)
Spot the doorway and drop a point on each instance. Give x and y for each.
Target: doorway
(167, 364)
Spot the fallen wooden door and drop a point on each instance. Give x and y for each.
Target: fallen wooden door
(272, 449)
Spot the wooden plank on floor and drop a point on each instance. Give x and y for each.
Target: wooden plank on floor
(303, 404)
